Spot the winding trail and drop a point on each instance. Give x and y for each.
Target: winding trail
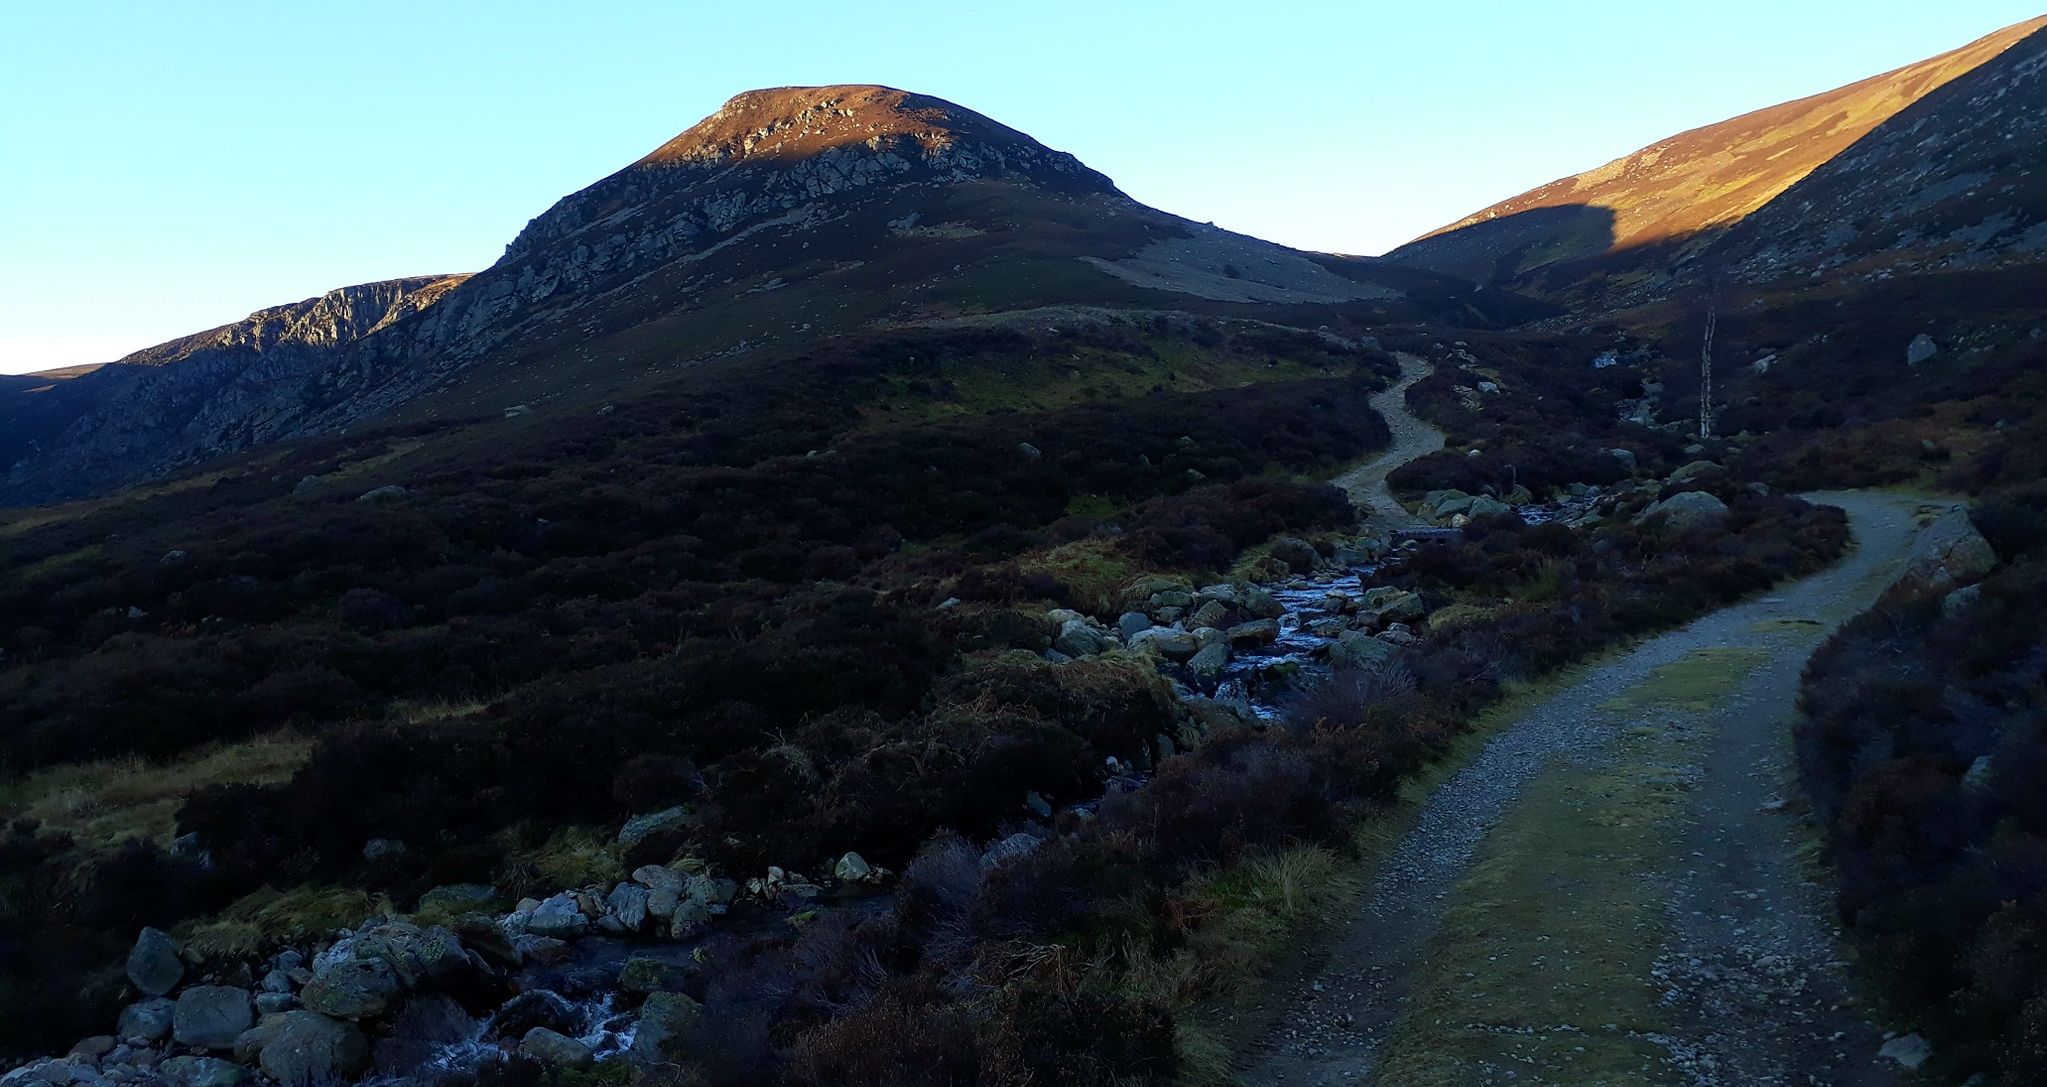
(1366, 484)
(1747, 966)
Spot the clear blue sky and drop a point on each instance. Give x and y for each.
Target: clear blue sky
(166, 167)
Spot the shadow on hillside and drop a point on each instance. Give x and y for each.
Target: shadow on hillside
(1502, 250)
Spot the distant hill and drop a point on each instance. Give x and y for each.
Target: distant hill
(1968, 121)
(788, 215)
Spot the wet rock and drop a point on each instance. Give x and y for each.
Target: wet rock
(307, 1047)
(202, 1072)
(537, 1008)
(146, 1021)
(357, 989)
(211, 1016)
(1298, 554)
(1253, 635)
(154, 967)
(1262, 604)
(1207, 665)
(555, 1049)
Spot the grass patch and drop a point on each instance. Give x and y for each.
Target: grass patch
(570, 857)
(268, 918)
(104, 803)
(1543, 959)
(1091, 570)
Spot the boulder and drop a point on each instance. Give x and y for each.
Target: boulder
(390, 492)
(1356, 649)
(1172, 644)
(457, 898)
(414, 953)
(1253, 635)
(212, 1016)
(536, 1008)
(272, 1003)
(1262, 604)
(641, 827)
(1959, 600)
(1910, 1050)
(154, 967)
(852, 868)
(1955, 553)
(1172, 598)
(666, 1022)
(146, 1021)
(1214, 613)
(1207, 665)
(660, 878)
(1485, 504)
(628, 903)
(544, 950)
(1695, 470)
(202, 1072)
(1979, 776)
(95, 1047)
(356, 989)
(1130, 623)
(641, 975)
(1391, 605)
(1298, 554)
(555, 1049)
(307, 1047)
(1626, 457)
(1009, 849)
(1921, 349)
(1078, 639)
(1686, 509)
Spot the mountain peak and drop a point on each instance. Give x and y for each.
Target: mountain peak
(789, 123)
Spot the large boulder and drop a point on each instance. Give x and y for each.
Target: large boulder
(1486, 504)
(1687, 509)
(356, 989)
(1954, 553)
(1131, 623)
(1262, 604)
(154, 967)
(1695, 470)
(212, 1016)
(628, 904)
(1393, 605)
(415, 954)
(307, 1047)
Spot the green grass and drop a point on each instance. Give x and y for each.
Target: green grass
(267, 918)
(104, 803)
(1543, 958)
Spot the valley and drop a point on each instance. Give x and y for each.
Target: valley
(855, 598)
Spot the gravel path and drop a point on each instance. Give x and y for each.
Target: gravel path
(1749, 960)
(1366, 484)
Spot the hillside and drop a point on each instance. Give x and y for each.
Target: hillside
(1660, 206)
(788, 215)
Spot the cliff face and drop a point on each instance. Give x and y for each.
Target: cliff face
(190, 398)
(1668, 202)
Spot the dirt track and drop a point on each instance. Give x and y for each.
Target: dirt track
(1744, 968)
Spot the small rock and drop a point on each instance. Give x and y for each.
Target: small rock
(202, 1072)
(1920, 350)
(852, 868)
(1910, 1051)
